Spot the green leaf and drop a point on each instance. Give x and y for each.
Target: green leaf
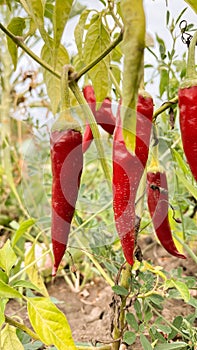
(129, 337)
(193, 4)
(24, 226)
(145, 342)
(164, 80)
(119, 290)
(32, 271)
(8, 292)
(133, 50)
(96, 41)
(53, 83)
(9, 339)
(183, 290)
(60, 17)
(25, 284)
(3, 276)
(50, 323)
(7, 257)
(132, 321)
(177, 322)
(3, 302)
(16, 26)
(178, 345)
(187, 184)
(138, 310)
(180, 162)
(79, 32)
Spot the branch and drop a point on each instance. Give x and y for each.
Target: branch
(19, 42)
(21, 326)
(165, 106)
(100, 57)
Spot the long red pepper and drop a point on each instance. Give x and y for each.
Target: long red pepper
(104, 116)
(67, 163)
(157, 194)
(127, 173)
(187, 99)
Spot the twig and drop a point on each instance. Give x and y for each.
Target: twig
(165, 106)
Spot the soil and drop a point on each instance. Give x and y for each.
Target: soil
(88, 311)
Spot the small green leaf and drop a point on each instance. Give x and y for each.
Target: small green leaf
(52, 83)
(178, 345)
(145, 342)
(60, 17)
(183, 290)
(96, 41)
(177, 322)
(7, 257)
(119, 290)
(138, 310)
(129, 337)
(8, 292)
(24, 226)
(132, 321)
(16, 26)
(50, 323)
(164, 80)
(25, 284)
(3, 276)
(9, 339)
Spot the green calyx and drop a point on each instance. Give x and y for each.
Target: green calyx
(191, 75)
(144, 93)
(65, 121)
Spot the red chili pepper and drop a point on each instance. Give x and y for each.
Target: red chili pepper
(187, 98)
(127, 173)
(104, 116)
(157, 193)
(67, 163)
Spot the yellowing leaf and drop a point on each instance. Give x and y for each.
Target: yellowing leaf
(79, 32)
(7, 257)
(8, 292)
(16, 26)
(183, 290)
(33, 272)
(50, 323)
(9, 339)
(96, 41)
(193, 4)
(60, 17)
(52, 83)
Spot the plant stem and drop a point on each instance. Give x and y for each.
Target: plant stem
(100, 57)
(91, 120)
(191, 68)
(65, 99)
(165, 106)
(21, 326)
(119, 317)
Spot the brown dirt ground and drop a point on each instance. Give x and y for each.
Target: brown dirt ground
(88, 311)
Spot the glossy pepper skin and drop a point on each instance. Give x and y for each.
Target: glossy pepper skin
(187, 98)
(67, 163)
(104, 116)
(127, 172)
(157, 194)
